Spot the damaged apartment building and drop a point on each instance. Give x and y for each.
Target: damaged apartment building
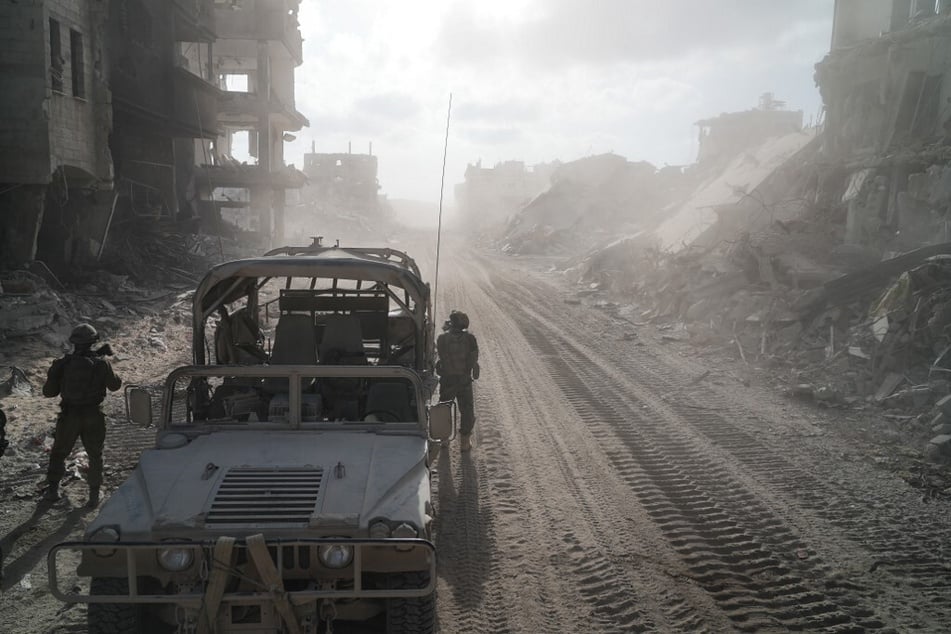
(242, 178)
(110, 108)
(886, 87)
(344, 182)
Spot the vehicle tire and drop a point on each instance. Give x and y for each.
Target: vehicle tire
(112, 618)
(410, 615)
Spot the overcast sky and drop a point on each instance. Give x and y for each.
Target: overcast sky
(537, 80)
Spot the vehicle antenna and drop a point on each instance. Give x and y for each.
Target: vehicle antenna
(442, 185)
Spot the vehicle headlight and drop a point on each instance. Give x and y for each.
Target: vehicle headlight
(106, 535)
(175, 559)
(379, 530)
(335, 555)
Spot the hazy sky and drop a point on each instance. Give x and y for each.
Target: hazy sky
(538, 80)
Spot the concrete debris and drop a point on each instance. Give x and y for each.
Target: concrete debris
(18, 384)
(939, 449)
(587, 201)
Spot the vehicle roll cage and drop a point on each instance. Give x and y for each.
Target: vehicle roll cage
(381, 270)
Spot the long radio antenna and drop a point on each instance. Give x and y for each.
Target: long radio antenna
(442, 185)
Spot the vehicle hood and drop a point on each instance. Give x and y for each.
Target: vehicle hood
(333, 483)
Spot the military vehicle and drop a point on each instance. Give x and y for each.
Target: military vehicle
(289, 486)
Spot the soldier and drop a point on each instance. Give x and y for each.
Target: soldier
(458, 366)
(80, 379)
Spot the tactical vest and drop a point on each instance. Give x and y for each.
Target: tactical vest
(454, 353)
(78, 379)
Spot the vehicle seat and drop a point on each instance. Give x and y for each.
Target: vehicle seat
(295, 343)
(342, 341)
(295, 340)
(342, 344)
(391, 396)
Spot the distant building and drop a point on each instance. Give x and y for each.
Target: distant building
(345, 181)
(497, 193)
(725, 136)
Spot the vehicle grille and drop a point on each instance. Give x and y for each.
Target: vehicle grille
(270, 496)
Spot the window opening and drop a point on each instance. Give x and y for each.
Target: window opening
(77, 63)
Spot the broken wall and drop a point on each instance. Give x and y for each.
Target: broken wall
(24, 95)
(888, 124)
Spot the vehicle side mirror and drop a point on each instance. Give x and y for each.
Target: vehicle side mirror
(442, 422)
(138, 405)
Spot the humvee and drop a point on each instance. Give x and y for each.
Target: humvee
(289, 485)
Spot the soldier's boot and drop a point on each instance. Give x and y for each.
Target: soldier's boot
(52, 493)
(93, 497)
(465, 442)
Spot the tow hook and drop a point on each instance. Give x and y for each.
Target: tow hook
(328, 612)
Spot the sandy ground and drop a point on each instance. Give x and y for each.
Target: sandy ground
(621, 482)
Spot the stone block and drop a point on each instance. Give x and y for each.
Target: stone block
(939, 449)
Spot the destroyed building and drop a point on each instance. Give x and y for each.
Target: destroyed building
(99, 111)
(723, 137)
(342, 181)
(494, 194)
(127, 109)
(591, 200)
(885, 85)
(243, 178)
(55, 117)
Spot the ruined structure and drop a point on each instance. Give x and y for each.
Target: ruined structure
(243, 177)
(494, 194)
(55, 118)
(723, 137)
(885, 85)
(111, 109)
(342, 181)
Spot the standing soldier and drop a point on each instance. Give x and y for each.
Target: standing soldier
(458, 366)
(80, 379)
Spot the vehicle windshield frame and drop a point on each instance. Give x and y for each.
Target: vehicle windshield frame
(295, 374)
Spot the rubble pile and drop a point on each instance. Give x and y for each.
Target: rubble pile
(152, 252)
(590, 200)
(831, 327)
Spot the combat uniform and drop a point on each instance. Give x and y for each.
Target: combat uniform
(458, 366)
(80, 379)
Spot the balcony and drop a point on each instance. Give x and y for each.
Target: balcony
(273, 20)
(245, 108)
(194, 106)
(249, 176)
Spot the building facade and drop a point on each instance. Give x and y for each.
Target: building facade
(243, 174)
(886, 86)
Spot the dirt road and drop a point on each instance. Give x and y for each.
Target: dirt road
(617, 485)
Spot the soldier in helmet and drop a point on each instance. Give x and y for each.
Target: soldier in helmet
(458, 367)
(80, 379)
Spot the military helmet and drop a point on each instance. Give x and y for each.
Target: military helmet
(83, 334)
(459, 319)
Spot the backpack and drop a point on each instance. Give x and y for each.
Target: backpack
(454, 353)
(78, 376)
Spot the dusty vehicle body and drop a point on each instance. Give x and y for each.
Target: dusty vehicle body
(280, 496)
